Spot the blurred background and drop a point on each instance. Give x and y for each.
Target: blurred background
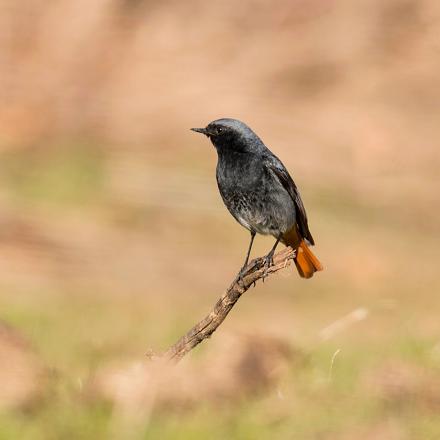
(114, 240)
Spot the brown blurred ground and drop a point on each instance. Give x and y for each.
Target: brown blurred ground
(113, 237)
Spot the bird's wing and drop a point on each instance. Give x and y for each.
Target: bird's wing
(276, 168)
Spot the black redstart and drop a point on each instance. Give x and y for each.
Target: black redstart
(259, 192)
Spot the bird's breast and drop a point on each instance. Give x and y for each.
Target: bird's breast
(239, 172)
(253, 197)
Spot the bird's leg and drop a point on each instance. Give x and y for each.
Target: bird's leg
(268, 259)
(246, 261)
(240, 275)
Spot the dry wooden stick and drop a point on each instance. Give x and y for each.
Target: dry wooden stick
(253, 272)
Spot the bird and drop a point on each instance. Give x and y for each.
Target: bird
(259, 192)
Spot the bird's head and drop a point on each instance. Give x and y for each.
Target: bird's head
(231, 135)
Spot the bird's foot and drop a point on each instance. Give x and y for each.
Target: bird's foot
(246, 270)
(268, 262)
(240, 276)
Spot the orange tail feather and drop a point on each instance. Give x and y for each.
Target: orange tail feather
(306, 262)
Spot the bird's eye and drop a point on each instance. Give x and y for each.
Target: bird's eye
(219, 129)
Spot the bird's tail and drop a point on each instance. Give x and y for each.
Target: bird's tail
(305, 261)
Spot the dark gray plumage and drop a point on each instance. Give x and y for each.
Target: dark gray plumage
(258, 190)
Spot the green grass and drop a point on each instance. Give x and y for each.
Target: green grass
(315, 403)
(63, 174)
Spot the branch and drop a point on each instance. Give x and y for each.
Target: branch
(253, 272)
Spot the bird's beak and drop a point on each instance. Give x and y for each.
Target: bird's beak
(201, 130)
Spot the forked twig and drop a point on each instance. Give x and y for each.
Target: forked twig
(253, 272)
